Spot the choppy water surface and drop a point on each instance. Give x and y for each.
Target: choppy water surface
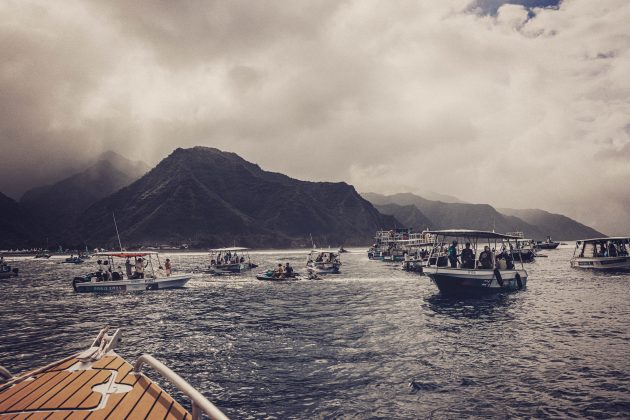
(349, 346)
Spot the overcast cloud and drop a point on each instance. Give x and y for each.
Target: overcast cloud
(499, 103)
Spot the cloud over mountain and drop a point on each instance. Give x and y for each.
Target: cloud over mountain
(387, 96)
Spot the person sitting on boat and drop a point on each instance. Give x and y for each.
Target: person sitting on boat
(452, 254)
(468, 257)
(128, 266)
(485, 258)
(279, 273)
(108, 275)
(288, 270)
(167, 267)
(319, 258)
(117, 275)
(242, 260)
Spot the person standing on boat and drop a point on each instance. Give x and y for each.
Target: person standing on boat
(452, 254)
(468, 257)
(139, 268)
(167, 267)
(485, 258)
(128, 267)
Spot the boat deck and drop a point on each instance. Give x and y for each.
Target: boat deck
(71, 389)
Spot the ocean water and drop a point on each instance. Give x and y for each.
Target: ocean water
(373, 342)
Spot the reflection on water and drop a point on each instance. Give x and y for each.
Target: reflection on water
(372, 342)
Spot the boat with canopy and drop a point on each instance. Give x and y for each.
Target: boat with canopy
(129, 271)
(233, 260)
(323, 261)
(98, 383)
(472, 264)
(602, 254)
(6, 270)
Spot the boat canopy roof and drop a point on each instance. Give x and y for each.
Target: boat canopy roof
(236, 248)
(332, 251)
(612, 238)
(125, 254)
(459, 233)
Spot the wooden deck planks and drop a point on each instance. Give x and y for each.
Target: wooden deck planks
(84, 398)
(81, 384)
(63, 365)
(144, 405)
(161, 407)
(71, 393)
(130, 399)
(32, 389)
(177, 412)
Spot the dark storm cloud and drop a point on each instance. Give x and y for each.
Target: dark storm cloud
(491, 7)
(388, 96)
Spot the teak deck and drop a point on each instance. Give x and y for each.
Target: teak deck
(105, 389)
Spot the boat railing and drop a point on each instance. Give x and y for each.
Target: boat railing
(199, 402)
(5, 375)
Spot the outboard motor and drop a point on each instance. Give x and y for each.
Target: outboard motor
(15, 271)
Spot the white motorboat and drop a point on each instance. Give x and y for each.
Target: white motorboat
(111, 278)
(602, 254)
(323, 262)
(468, 272)
(229, 261)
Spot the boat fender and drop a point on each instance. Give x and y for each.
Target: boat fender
(497, 274)
(519, 281)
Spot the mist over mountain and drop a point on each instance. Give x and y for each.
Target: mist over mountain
(555, 225)
(58, 205)
(536, 224)
(18, 228)
(410, 216)
(208, 197)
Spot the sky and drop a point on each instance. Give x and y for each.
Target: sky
(523, 104)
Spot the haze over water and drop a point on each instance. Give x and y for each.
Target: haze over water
(349, 345)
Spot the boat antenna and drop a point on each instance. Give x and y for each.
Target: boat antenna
(117, 234)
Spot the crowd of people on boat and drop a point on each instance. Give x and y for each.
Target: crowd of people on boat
(605, 249)
(325, 257)
(227, 258)
(488, 258)
(133, 270)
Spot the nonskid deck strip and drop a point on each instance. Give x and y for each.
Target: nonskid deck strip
(65, 391)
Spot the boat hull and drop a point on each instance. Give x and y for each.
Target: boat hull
(524, 256)
(230, 268)
(394, 258)
(552, 245)
(602, 263)
(469, 282)
(323, 268)
(132, 285)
